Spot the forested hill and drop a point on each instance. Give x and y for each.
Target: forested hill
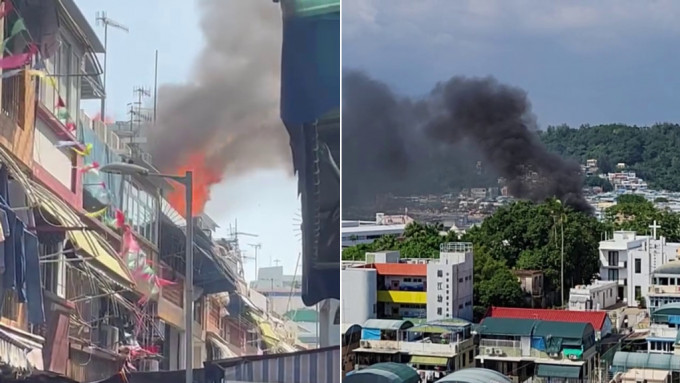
(652, 152)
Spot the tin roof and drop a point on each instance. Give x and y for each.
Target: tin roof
(595, 318)
(401, 269)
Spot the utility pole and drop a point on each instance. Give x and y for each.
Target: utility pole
(102, 19)
(256, 246)
(155, 88)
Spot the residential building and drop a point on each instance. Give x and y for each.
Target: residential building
(383, 372)
(665, 286)
(598, 319)
(599, 295)
(450, 282)
(364, 232)
(531, 282)
(433, 349)
(283, 292)
(351, 337)
(628, 363)
(528, 348)
(663, 329)
(629, 259)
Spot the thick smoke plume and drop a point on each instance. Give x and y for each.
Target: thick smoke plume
(391, 142)
(229, 110)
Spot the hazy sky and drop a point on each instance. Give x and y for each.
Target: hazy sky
(264, 203)
(580, 61)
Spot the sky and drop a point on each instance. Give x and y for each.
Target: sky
(581, 62)
(264, 202)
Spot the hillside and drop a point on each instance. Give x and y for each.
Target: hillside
(652, 152)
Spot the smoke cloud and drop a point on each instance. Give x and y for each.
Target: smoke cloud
(229, 110)
(390, 143)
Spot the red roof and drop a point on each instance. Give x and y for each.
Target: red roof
(596, 318)
(401, 269)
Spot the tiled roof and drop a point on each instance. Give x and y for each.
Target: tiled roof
(595, 318)
(401, 269)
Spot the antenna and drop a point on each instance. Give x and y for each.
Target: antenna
(103, 20)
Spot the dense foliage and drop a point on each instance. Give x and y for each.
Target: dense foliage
(652, 152)
(522, 235)
(635, 213)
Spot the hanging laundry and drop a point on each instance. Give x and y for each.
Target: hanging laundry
(84, 153)
(98, 213)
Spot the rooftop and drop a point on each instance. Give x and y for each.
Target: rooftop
(387, 324)
(384, 373)
(595, 318)
(401, 269)
(475, 375)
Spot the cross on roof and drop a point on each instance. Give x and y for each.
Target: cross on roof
(654, 226)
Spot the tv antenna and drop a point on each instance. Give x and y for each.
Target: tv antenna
(103, 19)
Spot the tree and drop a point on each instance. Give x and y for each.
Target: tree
(635, 213)
(595, 181)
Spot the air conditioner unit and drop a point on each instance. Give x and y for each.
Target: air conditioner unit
(365, 344)
(489, 351)
(498, 351)
(149, 365)
(573, 357)
(554, 354)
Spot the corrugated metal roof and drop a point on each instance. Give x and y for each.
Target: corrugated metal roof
(595, 318)
(384, 372)
(475, 375)
(387, 324)
(563, 329)
(507, 326)
(626, 360)
(401, 269)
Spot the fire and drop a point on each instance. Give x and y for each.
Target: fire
(107, 120)
(204, 177)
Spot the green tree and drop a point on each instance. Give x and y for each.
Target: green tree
(635, 213)
(594, 181)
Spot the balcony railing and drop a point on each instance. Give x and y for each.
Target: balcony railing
(663, 332)
(418, 347)
(514, 349)
(13, 98)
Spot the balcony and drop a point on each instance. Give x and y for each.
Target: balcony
(406, 297)
(513, 349)
(659, 289)
(419, 348)
(661, 331)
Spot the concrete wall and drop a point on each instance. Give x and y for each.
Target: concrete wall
(454, 286)
(359, 295)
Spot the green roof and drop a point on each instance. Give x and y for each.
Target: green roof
(387, 324)
(429, 329)
(475, 375)
(558, 371)
(571, 330)
(384, 373)
(302, 315)
(507, 326)
(624, 361)
(662, 313)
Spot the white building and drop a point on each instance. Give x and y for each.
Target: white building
(283, 292)
(359, 295)
(597, 296)
(630, 259)
(449, 283)
(364, 232)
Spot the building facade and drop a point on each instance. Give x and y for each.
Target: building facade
(597, 296)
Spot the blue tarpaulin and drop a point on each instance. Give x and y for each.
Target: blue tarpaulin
(538, 343)
(370, 334)
(674, 319)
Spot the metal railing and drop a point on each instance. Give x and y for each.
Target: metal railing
(456, 247)
(12, 98)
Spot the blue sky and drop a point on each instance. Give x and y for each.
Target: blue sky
(264, 202)
(580, 61)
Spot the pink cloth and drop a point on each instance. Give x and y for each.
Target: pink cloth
(18, 60)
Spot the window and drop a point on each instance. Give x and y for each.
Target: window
(140, 209)
(440, 273)
(460, 307)
(638, 292)
(638, 265)
(53, 268)
(613, 258)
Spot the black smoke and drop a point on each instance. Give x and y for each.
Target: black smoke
(432, 145)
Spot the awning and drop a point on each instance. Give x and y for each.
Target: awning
(222, 346)
(558, 371)
(428, 360)
(87, 241)
(20, 354)
(268, 334)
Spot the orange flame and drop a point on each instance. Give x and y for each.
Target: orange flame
(204, 177)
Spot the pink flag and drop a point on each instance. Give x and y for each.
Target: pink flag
(15, 61)
(6, 9)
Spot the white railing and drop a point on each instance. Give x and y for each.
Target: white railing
(663, 332)
(418, 347)
(106, 135)
(500, 343)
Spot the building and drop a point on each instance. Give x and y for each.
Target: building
(450, 282)
(528, 348)
(531, 282)
(384, 373)
(364, 232)
(430, 289)
(432, 349)
(629, 259)
(665, 286)
(283, 292)
(599, 295)
(628, 363)
(663, 330)
(598, 319)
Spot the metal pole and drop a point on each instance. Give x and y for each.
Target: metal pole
(562, 263)
(189, 279)
(155, 89)
(106, 56)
